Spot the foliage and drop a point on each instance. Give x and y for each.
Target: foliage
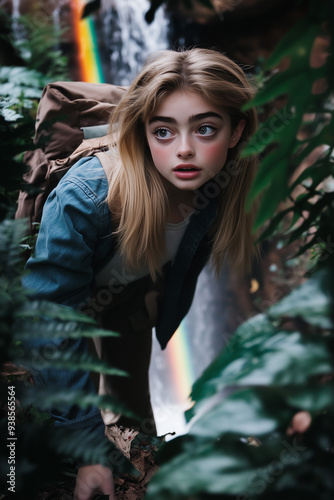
(20, 90)
(42, 452)
(278, 363)
(21, 87)
(39, 45)
(41, 448)
(15, 139)
(309, 107)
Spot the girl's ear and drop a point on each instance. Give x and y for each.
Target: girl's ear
(237, 132)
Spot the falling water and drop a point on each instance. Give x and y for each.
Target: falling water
(128, 39)
(56, 17)
(16, 9)
(204, 328)
(16, 28)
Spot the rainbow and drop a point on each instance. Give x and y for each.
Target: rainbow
(177, 351)
(181, 364)
(87, 47)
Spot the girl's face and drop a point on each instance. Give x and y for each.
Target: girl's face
(189, 139)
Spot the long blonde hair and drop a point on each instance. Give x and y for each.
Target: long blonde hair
(137, 198)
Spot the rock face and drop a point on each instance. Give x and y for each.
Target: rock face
(199, 13)
(240, 8)
(246, 30)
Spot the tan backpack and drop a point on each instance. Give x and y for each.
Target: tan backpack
(71, 123)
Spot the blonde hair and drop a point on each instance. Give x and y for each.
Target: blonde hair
(137, 198)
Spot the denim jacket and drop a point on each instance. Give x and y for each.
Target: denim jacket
(74, 241)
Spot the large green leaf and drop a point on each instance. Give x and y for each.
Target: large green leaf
(226, 466)
(296, 43)
(270, 174)
(210, 381)
(278, 85)
(296, 83)
(280, 359)
(274, 358)
(312, 301)
(275, 129)
(246, 412)
(311, 397)
(270, 199)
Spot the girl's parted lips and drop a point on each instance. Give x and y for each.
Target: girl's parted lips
(186, 166)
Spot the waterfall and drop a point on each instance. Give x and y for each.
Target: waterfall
(56, 17)
(204, 330)
(16, 9)
(128, 39)
(16, 28)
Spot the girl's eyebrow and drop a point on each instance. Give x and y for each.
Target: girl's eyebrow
(191, 119)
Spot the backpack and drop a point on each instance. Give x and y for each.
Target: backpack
(71, 123)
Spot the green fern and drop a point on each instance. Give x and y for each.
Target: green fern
(20, 319)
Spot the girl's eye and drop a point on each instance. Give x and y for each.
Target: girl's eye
(206, 130)
(162, 133)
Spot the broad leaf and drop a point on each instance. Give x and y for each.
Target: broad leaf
(296, 43)
(269, 358)
(313, 397)
(311, 301)
(247, 412)
(226, 466)
(270, 174)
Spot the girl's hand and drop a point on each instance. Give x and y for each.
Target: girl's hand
(93, 479)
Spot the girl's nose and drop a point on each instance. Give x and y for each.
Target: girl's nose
(185, 148)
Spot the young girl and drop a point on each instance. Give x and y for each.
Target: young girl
(126, 243)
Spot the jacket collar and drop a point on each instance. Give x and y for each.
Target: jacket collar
(196, 231)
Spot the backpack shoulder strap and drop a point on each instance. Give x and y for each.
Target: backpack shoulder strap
(104, 158)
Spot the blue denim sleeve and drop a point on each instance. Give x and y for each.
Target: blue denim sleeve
(61, 271)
